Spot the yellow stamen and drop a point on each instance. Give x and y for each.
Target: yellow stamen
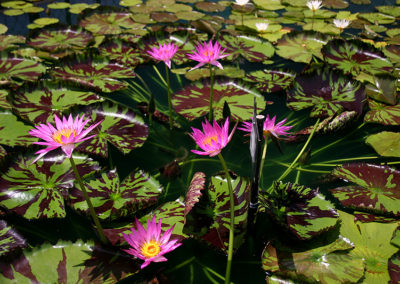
(208, 53)
(208, 139)
(63, 132)
(150, 249)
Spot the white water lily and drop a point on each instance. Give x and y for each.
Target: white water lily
(314, 5)
(241, 2)
(262, 27)
(341, 24)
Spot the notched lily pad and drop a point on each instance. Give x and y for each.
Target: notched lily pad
(123, 53)
(383, 114)
(376, 188)
(14, 70)
(9, 41)
(10, 239)
(385, 143)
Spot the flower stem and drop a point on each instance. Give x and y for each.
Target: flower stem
(263, 155)
(89, 203)
(232, 221)
(171, 123)
(151, 103)
(210, 113)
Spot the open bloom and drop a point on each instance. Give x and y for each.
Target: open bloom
(67, 133)
(262, 27)
(164, 52)
(341, 24)
(207, 53)
(314, 5)
(269, 127)
(149, 245)
(213, 138)
(241, 2)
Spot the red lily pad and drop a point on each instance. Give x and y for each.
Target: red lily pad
(120, 127)
(355, 56)
(112, 199)
(270, 81)
(10, 239)
(208, 6)
(99, 74)
(193, 100)
(38, 190)
(376, 188)
(4, 103)
(327, 92)
(40, 102)
(123, 53)
(9, 41)
(383, 114)
(14, 132)
(13, 69)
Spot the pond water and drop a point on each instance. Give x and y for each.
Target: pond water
(329, 188)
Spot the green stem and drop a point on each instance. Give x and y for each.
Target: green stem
(298, 175)
(151, 100)
(171, 123)
(289, 169)
(210, 113)
(302, 169)
(180, 265)
(89, 203)
(263, 155)
(232, 221)
(160, 76)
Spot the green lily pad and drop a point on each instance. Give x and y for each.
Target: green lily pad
(193, 100)
(46, 21)
(379, 18)
(14, 132)
(385, 143)
(13, 12)
(392, 51)
(383, 114)
(10, 239)
(9, 41)
(336, 4)
(12, 68)
(270, 81)
(123, 53)
(376, 188)
(3, 29)
(384, 89)
(4, 103)
(194, 75)
(58, 5)
(207, 6)
(161, 17)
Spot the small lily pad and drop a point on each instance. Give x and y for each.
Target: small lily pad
(385, 143)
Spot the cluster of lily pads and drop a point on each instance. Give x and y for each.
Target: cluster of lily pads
(340, 226)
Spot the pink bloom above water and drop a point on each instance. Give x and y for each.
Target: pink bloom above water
(67, 133)
(164, 52)
(207, 53)
(213, 138)
(269, 127)
(149, 245)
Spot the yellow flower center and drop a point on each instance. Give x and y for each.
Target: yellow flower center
(208, 53)
(208, 139)
(151, 249)
(63, 132)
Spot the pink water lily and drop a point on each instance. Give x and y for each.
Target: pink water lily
(213, 138)
(66, 134)
(149, 245)
(207, 53)
(164, 52)
(269, 127)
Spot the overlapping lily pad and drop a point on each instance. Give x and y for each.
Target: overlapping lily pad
(301, 47)
(10, 239)
(193, 100)
(120, 126)
(122, 53)
(38, 103)
(376, 188)
(38, 190)
(54, 40)
(386, 143)
(14, 70)
(300, 209)
(10, 41)
(327, 92)
(354, 56)
(269, 81)
(4, 103)
(97, 73)
(14, 132)
(251, 48)
(66, 262)
(112, 199)
(383, 114)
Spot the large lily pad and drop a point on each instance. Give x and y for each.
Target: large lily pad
(112, 199)
(376, 188)
(355, 56)
(10, 239)
(54, 40)
(10, 41)
(13, 69)
(383, 114)
(270, 81)
(123, 53)
(67, 262)
(301, 47)
(99, 74)
(383, 88)
(120, 126)
(386, 143)
(14, 132)
(38, 190)
(252, 48)
(302, 210)
(40, 102)
(193, 100)
(327, 92)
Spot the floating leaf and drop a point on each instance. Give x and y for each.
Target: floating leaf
(10, 239)
(40, 102)
(383, 114)
(99, 74)
(67, 262)
(38, 190)
(270, 81)
(385, 143)
(252, 48)
(354, 56)
(327, 92)
(123, 53)
(392, 51)
(3, 29)
(120, 126)
(14, 132)
(379, 18)
(367, 218)
(383, 89)
(13, 69)
(164, 17)
(46, 21)
(193, 100)
(301, 47)
(194, 192)
(8, 41)
(376, 188)
(3, 99)
(269, 4)
(302, 210)
(194, 75)
(112, 199)
(207, 6)
(394, 268)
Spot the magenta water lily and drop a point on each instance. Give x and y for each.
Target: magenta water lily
(208, 53)
(150, 244)
(270, 127)
(164, 52)
(66, 134)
